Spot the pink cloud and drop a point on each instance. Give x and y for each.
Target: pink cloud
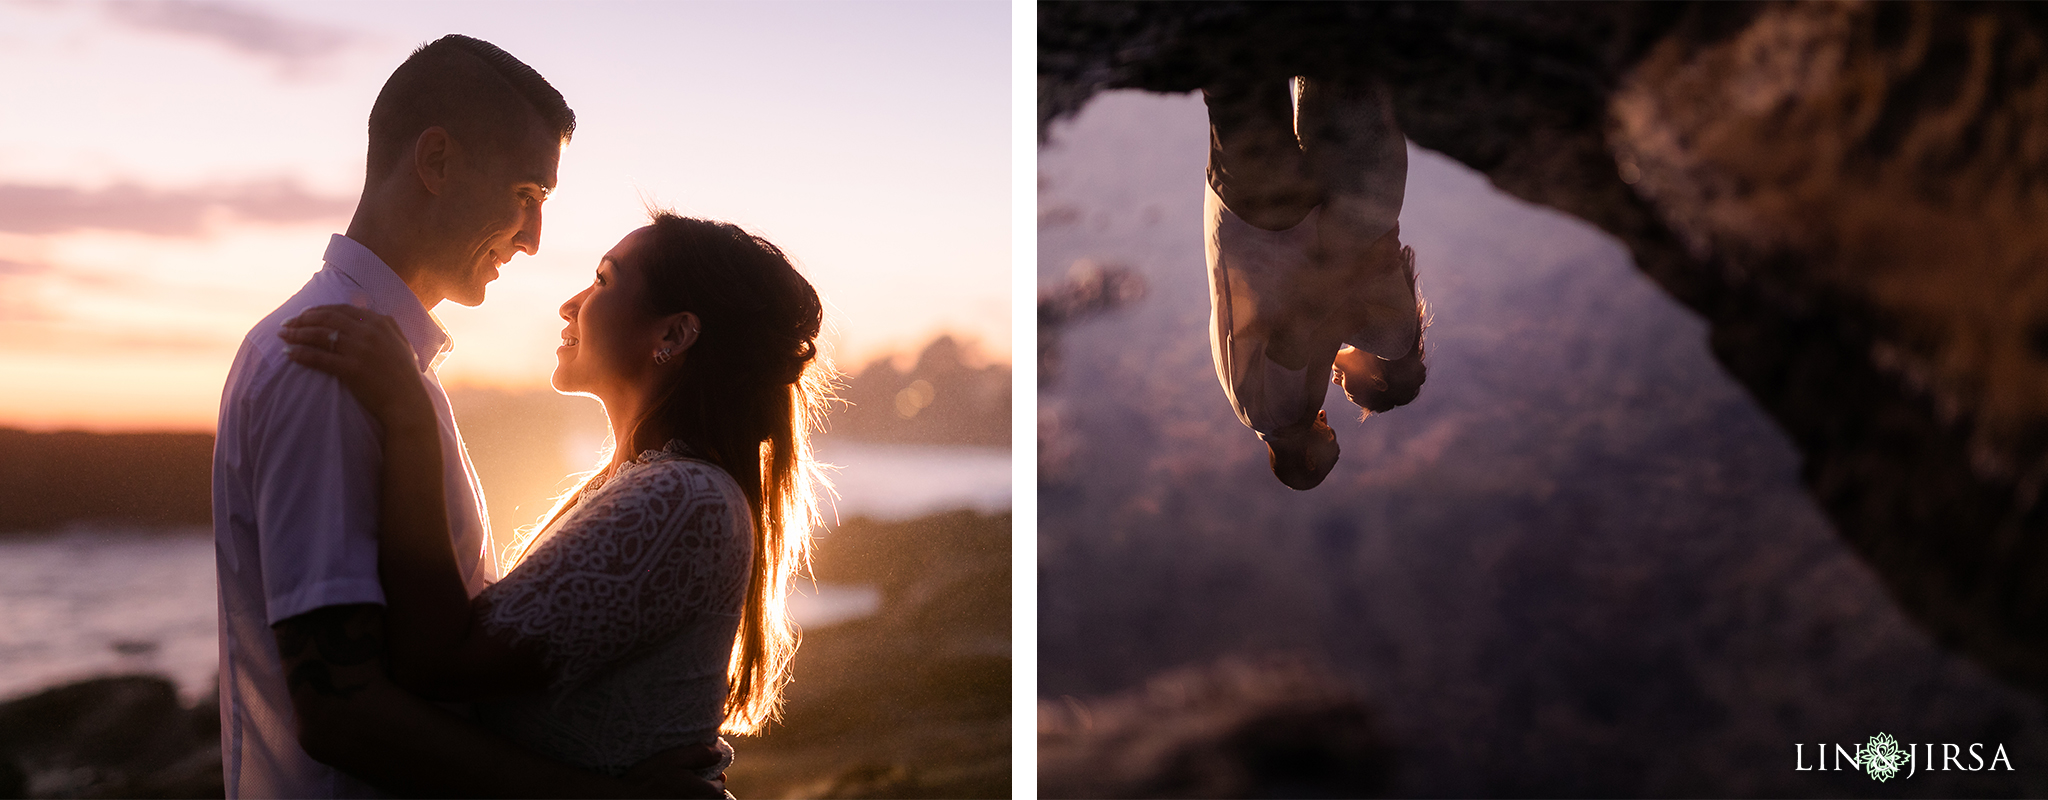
(292, 45)
(34, 209)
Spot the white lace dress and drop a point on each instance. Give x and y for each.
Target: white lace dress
(634, 595)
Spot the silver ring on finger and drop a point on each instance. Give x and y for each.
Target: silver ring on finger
(334, 339)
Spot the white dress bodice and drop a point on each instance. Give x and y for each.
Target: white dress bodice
(634, 597)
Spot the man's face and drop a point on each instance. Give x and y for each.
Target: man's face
(493, 211)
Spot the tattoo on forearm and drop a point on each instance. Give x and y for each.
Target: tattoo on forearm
(319, 678)
(320, 647)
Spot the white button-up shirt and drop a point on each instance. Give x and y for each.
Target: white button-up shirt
(1250, 272)
(296, 474)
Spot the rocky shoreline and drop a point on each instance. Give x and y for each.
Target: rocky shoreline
(120, 736)
(915, 700)
(910, 702)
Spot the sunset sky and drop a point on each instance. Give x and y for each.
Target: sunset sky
(170, 171)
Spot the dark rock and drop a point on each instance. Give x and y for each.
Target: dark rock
(1270, 728)
(13, 782)
(123, 736)
(134, 647)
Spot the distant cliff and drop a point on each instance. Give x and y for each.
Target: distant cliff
(940, 400)
(48, 480)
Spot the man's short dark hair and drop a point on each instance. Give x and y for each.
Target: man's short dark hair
(478, 92)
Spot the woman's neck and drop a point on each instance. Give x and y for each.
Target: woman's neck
(625, 413)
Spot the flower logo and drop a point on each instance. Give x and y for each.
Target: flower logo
(1882, 757)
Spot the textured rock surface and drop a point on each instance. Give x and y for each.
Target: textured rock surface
(123, 736)
(1850, 195)
(1271, 728)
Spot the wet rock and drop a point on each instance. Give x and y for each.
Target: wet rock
(1238, 728)
(13, 782)
(124, 736)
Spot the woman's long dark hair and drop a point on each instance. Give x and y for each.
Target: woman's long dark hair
(746, 396)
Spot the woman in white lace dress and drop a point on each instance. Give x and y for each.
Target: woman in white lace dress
(648, 613)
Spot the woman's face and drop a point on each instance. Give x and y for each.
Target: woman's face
(609, 343)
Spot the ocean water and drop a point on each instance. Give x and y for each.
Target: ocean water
(902, 481)
(90, 601)
(95, 601)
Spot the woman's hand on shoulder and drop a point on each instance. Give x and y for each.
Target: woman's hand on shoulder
(370, 356)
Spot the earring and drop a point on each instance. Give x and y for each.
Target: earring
(663, 356)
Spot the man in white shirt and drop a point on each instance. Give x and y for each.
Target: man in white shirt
(1307, 273)
(464, 144)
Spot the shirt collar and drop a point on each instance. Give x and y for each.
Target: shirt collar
(385, 293)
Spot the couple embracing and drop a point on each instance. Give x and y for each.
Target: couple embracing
(371, 643)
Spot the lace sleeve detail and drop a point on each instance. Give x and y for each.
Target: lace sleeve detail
(636, 561)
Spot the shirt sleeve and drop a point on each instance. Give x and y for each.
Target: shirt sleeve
(318, 461)
(636, 562)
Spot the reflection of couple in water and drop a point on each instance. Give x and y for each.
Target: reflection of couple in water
(1307, 275)
(360, 598)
